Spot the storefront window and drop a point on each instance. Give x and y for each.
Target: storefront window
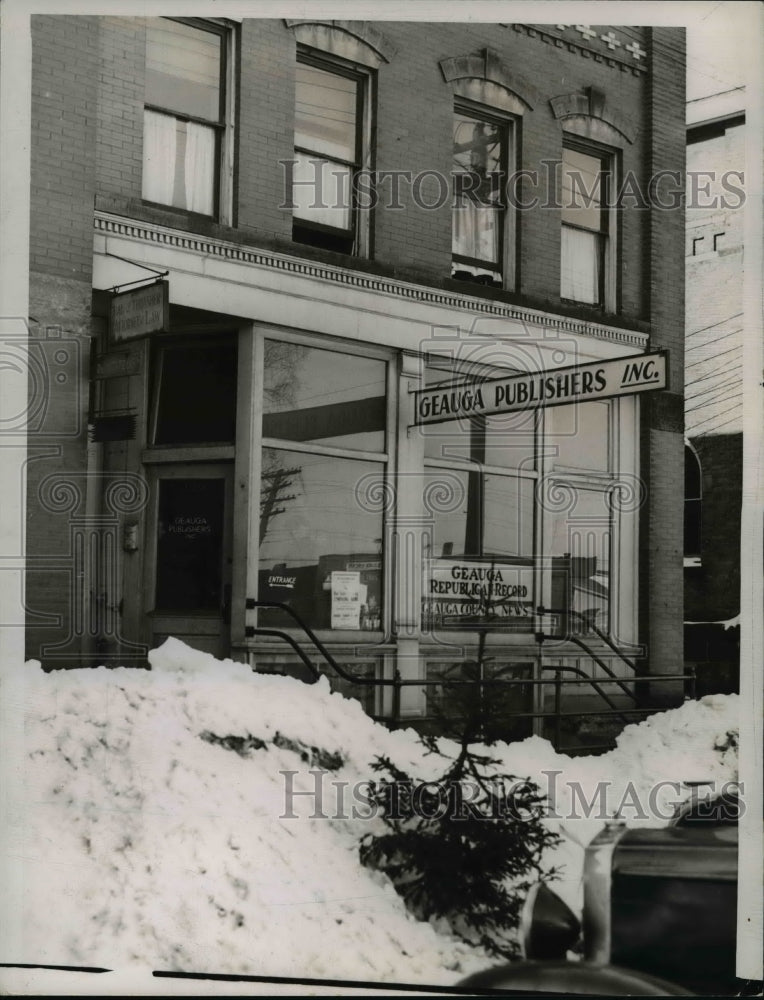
(579, 547)
(577, 436)
(321, 515)
(320, 549)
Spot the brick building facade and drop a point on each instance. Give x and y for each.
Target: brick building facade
(263, 442)
(714, 397)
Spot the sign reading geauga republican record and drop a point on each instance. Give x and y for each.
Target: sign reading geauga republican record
(529, 390)
(468, 591)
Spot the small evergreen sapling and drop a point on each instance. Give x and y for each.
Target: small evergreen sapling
(467, 846)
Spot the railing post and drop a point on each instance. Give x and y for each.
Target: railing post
(691, 682)
(396, 698)
(557, 710)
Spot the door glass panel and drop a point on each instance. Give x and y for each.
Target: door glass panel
(190, 544)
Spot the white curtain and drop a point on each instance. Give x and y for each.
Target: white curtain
(159, 143)
(475, 230)
(200, 168)
(580, 265)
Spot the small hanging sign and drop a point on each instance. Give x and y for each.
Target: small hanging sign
(139, 312)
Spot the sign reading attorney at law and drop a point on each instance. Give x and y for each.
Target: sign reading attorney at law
(575, 384)
(139, 312)
(465, 592)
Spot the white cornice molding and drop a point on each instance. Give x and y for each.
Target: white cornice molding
(116, 225)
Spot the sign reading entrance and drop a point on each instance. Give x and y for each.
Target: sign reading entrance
(466, 592)
(139, 312)
(575, 384)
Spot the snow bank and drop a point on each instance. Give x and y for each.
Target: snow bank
(152, 827)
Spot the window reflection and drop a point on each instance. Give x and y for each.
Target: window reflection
(579, 545)
(577, 436)
(478, 164)
(324, 397)
(320, 545)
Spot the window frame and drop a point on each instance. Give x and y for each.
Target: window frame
(359, 232)
(223, 127)
(385, 458)
(607, 233)
(550, 476)
(179, 342)
(505, 266)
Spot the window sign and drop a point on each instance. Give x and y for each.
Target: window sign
(348, 596)
(468, 592)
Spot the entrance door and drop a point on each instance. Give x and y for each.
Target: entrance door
(189, 565)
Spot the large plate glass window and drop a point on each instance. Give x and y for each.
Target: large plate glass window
(479, 489)
(322, 487)
(586, 183)
(330, 146)
(480, 157)
(184, 114)
(579, 520)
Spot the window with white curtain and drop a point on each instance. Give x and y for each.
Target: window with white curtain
(184, 114)
(480, 156)
(585, 225)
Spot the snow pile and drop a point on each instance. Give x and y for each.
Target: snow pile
(153, 827)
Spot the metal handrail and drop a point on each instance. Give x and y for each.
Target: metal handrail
(597, 631)
(397, 682)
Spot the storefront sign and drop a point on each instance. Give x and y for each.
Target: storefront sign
(348, 594)
(575, 384)
(467, 592)
(139, 312)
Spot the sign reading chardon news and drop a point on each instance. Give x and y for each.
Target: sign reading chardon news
(527, 391)
(139, 312)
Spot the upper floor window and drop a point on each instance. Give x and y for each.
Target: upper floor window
(184, 114)
(586, 265)
(330, 147)
(479, 239)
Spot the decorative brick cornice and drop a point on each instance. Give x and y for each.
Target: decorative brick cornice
(628, 57)
(114, 225)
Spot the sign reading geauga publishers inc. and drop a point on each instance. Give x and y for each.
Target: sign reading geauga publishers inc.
(139, 312)
(527, 391)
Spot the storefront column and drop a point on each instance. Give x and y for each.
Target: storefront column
(408, 540)
(246, 520)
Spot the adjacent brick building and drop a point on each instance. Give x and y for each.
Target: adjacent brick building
(261, 441)
(714, 398)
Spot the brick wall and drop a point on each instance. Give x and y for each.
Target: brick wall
(413, 128)
(663, 427)
(64, 97)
